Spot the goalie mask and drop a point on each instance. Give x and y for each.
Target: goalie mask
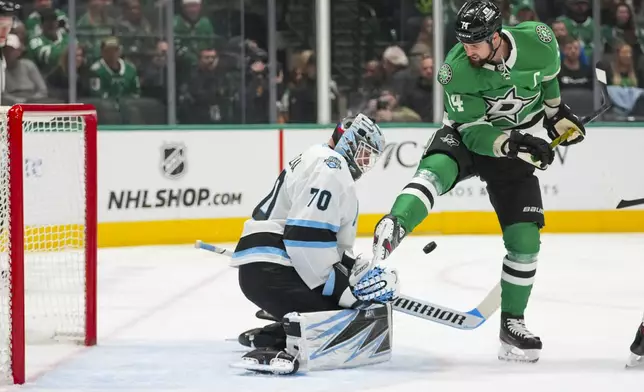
(360, 141)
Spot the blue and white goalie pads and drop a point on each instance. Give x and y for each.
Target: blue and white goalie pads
(339, 339)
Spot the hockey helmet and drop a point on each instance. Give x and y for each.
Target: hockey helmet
(477, 21)
(360, 141)
(8, 8)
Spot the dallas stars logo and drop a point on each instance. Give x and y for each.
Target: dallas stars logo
(507, 107)
(445, 74)
(544, 34)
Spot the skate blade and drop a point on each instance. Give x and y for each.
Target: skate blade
(511, 353)
(635, 361)
(277, 366)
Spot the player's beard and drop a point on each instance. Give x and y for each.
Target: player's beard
(478, 63)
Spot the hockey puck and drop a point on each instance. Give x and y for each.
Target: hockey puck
(429, 247)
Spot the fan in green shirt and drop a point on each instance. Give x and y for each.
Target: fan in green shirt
(32, 23)
(47, 48)
(94, 26)
(112, 77)
(192, 31)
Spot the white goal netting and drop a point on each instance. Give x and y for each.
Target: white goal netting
(54, 207)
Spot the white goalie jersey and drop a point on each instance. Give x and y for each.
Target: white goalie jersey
(307, 221)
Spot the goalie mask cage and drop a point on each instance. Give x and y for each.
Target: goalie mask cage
(47, 230)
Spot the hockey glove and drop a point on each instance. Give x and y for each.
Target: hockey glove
(518, 143)
(559, 120)
(379, 284)
(387, 236)
(354, 280)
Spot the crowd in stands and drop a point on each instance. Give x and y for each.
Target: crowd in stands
(121, 60)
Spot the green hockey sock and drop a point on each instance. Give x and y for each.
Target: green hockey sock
(522, 243)
(435, 174)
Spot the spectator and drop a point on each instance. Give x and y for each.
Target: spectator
(206, 99)
(560, 30)
(579, 23)
(58, 79)
(394, 64)
(386, 109)
(506, 11)
(93, 27)
(561, 34)
(370, 85)
(23, 82)
(573, 73)
(111, 77)
(154, 75)
(523, 11)
(33, 21)
(193, 33)
(424, 42)
(419, 95)
(257, 99)
(135, 31)
(624, 30)
(622, 71)
(302, 93)
(625, 82)
(20, 30)
(47, 48)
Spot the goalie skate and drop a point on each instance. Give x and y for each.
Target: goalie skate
(268, 361)
(518, 344)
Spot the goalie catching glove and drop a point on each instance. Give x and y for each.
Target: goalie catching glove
(559, 119)
(354, 281)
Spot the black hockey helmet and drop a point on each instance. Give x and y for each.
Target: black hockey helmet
(477, 21)
(8, 8)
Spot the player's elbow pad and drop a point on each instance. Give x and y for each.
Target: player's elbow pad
(337, 284)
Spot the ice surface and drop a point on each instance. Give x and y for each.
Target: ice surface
(165, 314)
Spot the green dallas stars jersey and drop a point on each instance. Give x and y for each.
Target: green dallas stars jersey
(32, 24)
(482, 102)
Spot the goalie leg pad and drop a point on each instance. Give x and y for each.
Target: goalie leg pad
(340, 339)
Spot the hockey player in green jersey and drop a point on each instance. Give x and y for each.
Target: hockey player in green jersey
(500, 86)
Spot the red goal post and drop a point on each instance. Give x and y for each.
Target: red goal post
(48, 219)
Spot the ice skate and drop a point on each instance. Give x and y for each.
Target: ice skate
(518, 344)
(636, 358)
(268, 361)
(269, 336)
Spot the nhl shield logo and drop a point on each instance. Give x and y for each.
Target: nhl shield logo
(173, 160)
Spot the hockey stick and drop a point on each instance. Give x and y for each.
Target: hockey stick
(423, 309)
(607, 104)
(629, 203)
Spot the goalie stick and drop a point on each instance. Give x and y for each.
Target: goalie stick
(420, 308)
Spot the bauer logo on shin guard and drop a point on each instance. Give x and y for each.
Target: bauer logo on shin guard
(538, 210)
(431, 311)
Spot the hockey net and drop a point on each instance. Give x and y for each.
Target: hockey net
(47, 230)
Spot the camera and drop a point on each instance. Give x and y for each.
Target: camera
(382, 104)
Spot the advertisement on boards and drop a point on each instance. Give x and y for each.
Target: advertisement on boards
(184, 175)
(593, 175)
